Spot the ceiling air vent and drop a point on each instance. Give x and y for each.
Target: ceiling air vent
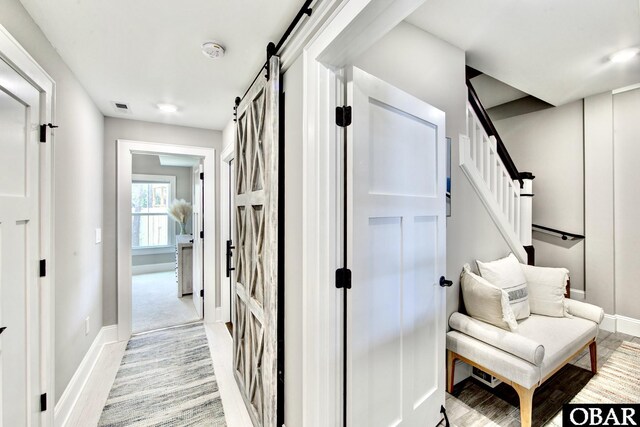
(121, 107)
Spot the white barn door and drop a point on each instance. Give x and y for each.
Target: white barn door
(19, 250)
(396, 251)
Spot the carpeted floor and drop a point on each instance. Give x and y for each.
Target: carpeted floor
(155, 302)
(166, 378)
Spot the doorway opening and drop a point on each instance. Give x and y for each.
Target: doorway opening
(165, 267)
(165, 201)
(227, 227)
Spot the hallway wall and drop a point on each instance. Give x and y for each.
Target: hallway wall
(114, 129)
(78, 172)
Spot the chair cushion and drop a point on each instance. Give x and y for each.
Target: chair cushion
(561, 337)
(546, 289)
(486, 302)
(507, 274)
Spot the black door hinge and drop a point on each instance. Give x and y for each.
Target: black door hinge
(201, 175)
(202, 234)
(343, 278)
(343, 116)
(202, 293)
(43, 402)
(43, 131)
(43, 267)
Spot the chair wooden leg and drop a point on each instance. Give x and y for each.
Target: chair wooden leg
(451, 367)
(526, 403)
(593, 352)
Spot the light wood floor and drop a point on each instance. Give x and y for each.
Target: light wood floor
(473, 404)
(90, 404)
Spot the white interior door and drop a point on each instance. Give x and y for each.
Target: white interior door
(198, 242)
(396, 250)
(19, 249)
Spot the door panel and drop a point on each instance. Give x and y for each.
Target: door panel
(19, 248)
(396, 250)
(255, 295)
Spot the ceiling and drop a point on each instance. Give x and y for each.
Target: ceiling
(554, 50)
(493, 92)
(145, 52)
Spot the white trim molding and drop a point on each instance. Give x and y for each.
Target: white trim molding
(622, 324)
(125, 150)
(67, 403)
(608, 323)
(152, 268)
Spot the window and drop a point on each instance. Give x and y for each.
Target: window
(151, 226)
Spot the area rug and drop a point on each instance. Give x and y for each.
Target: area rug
(166, 378)
(618, 381)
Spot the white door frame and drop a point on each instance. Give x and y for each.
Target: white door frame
(226, 156)
(125, 149)
(15, 55)
(354, 26)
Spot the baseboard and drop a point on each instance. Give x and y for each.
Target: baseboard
(577, 294)
(66, 405)
(153, 268)
(622, 324)
(608, 323)
(218, 314)
(628, 325)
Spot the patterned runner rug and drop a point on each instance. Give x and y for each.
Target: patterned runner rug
(165, 379)
(618, 381)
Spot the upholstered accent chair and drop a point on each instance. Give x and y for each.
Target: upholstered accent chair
(526, 358)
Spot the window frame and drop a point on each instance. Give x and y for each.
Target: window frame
(152, 179)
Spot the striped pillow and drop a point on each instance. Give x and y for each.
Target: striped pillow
(507, 274)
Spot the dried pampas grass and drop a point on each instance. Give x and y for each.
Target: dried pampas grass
(180, 210)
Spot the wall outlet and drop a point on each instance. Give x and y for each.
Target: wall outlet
(86, 326)
(98, 235)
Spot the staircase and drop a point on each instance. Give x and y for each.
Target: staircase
(505, 192)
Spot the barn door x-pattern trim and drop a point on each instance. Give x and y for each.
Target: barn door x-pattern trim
(255, 297)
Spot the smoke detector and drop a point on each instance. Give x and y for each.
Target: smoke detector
(212, 50)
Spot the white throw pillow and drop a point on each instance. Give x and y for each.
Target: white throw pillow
(486, 302)
(507, 274)
(547, 286)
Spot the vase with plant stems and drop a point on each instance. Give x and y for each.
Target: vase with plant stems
(180, 210)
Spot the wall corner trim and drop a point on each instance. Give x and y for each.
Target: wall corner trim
(67, 403)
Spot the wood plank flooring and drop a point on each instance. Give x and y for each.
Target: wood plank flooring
(475, 405)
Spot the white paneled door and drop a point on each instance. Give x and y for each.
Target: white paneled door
(396, 251)
(19, 249)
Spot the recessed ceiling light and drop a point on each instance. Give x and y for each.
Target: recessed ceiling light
(167, 108)
(624, 55)
(212, 50)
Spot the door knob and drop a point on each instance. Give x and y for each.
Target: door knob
(444, 282)
(2, 329)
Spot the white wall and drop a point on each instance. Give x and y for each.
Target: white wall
(626, 157)
(78, 169)
(150, 165)
(115, 129)
(434, 71)
(549, 143)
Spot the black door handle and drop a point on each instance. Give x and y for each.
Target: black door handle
(444, 282)
(230, 247)
(2, 329)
